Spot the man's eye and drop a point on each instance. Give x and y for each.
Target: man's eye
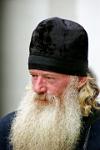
(50, 78)
(34, 76)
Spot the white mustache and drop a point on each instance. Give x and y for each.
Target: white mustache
(45, 97)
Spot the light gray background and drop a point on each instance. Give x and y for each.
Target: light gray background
(18, 19)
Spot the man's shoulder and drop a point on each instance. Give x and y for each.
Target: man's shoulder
(5, 126)
(5, 123)
(94, 135)
(5, 120)
(95, 124)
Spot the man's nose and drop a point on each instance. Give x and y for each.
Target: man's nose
(40, 85)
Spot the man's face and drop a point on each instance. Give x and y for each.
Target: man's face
(49, 116)
(44, 82)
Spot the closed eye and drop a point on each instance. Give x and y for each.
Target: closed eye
(34, 75)
(49, 77)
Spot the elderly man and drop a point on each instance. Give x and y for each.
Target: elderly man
(59, 111)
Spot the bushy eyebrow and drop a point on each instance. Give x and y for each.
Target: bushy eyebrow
(44, 74)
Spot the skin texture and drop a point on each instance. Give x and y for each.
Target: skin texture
(51, 82)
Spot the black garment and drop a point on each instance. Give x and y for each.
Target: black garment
(89, 139)
(5, 125)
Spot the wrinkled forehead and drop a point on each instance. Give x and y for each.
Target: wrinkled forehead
(42, 72)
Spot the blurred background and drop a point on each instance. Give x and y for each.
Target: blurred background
(18, 18)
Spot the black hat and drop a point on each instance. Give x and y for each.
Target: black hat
(59, 45)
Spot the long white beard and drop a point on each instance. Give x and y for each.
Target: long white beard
(55, 126)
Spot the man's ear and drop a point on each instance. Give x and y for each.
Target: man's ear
(82, 82)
